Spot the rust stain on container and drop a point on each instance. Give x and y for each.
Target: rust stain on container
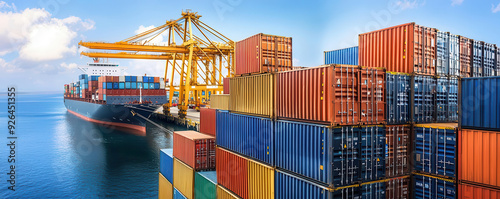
(406, 48)
(220, 102)
(263, 53)
(372, 87)
(232, 172)
(326, 94)
(479, 156)
(253, 95)
(398, 143)
(195, 149)
(465, 57)
(467, 191)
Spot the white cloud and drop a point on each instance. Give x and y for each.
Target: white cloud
(156, 40)
(456, 2)
(69, 66)
(495, 9)
(36, 35)
(409, 4)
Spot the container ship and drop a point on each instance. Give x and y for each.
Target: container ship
(121, 102)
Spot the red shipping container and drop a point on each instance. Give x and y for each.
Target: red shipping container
(479, 157)
(207, 121)
(407, 48)
(372, 95)
(225, 85)
(263, 53)
(110, 79)
(465, 57)
(195, 149)
(398, 143)
(327, 94)
(232, 172)
(157, 79)
(398, 187)
(467, 191)
(116, 79)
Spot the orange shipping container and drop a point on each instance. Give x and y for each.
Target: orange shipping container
(479, 157)
(372, 87)
(232, 172)
(326, 94)
(263, 53)
(407, 48)
(195, 149)
(465, 57)
(466, 191)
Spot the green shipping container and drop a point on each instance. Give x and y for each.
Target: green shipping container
(205, 185)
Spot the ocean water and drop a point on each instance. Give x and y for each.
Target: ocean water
(59, 155)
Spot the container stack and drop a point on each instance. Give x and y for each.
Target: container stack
(479, 138)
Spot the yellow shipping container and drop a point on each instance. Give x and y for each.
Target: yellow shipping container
(223, 193)
(165, 189)
(184, 178)
(260, 180)
(252, 94)
(219, 102)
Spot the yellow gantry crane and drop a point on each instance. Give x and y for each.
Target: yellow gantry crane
(200, 61)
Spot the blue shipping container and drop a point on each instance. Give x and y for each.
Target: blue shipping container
(104, 97)
(109, 85)
(247, 135)
(330, 156)
(347, 56)
(115, 85)
(447, 99)
(121, 85)
(151, 79)
(145, 79)
(435, 149)
(145, 85)
(398, 98)
(139, 85)
(477, 59)
(127, 85)
(443, 57)
(94, 77)
(372, 149)
(133, 85)
(178, 194)
(479, 103)
(423, 99)
(167, 164)
(488, 59)
(152, 86)
(288, 186)
(127, 79)
(427, 187)
(133, 79)
(104, 85)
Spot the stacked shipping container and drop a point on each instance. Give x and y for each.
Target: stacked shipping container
(479, 138)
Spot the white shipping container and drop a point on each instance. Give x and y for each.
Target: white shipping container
(139, 78)
(121, 78)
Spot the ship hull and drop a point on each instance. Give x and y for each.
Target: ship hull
(124, 117)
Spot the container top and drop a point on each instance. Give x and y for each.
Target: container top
(438, 125)
(209, 175)
(169, 152)
(322, 66)
(490, 77)
(340, 49)
(406, 24)
(193, 135)
(398, 73)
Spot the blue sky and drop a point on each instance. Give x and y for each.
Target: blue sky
(41, 54)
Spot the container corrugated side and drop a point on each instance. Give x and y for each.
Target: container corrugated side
(330, 156)
(430, 187)
(178, 194)
(447, 99)
(225, 86)
(260, 180)
(348, 56)
(398, 98)
(372, 190)
(448, 54)
(477, 58)
(488, 59)
(465, 57)
(398, 147)
(195, 149)
(372, 151)
(263, 53)
(435, 149)
(423, 100)
(232, 172)
(248, 135)
(479, 108)
(467, 191)
(165, 188)
(398, 188)
(372, 97)
(183, 179)
(167, 164)
(479, 156)
(406, 48)
(223, 193)
(207, 121)
(252, 95)
(220, 102)
(497, 66)
(327, 94)
(205, 185)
